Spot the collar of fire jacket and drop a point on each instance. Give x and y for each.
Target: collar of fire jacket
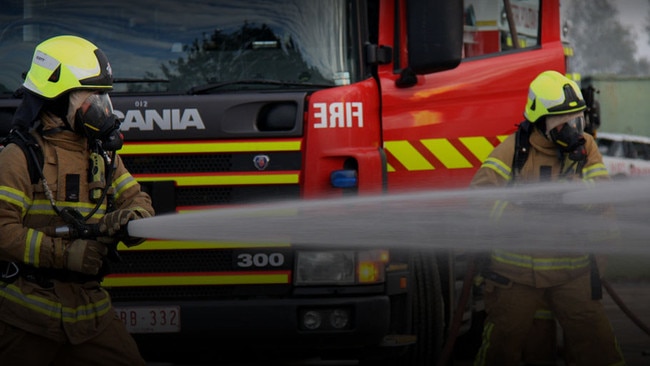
(62, 137)
(542, 144)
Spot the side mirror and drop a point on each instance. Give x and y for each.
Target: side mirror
(435, 35)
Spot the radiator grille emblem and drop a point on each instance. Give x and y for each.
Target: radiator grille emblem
(261, 161)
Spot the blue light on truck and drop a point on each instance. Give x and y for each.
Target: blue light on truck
(345, 178)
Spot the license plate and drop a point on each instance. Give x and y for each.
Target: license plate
(151, 319)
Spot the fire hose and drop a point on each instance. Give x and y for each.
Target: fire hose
(464, 298)
(635, 319)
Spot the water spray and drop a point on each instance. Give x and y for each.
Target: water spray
(553, 216)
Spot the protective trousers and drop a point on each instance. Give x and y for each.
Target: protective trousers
(541, 347)
(510, 313)
(113, 347)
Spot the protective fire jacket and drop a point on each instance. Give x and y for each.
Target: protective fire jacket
(58, 309)
(543, 268)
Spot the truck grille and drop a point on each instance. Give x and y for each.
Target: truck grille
(210, 273)
(208, 263)
(188, 196)
(204, 196)
(208, 163)
(174, 261)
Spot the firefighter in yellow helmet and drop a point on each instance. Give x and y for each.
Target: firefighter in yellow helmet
(65, 198)
(519, 283)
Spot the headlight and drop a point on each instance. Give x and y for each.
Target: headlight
(342, 267)
(320, 268)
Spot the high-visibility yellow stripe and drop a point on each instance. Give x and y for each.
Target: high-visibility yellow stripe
(187, 245)
(568, 51)
(485, 344)
(502, 138)
(182, 279)
(497, 209)
(486, 23)
(596, 170)
(522, 42)
(55, 309)
(225, 180)
(209, 147)
(499, 167)
(407, 155)
(15, 197)
(479, 146)
(33, 247)
(575, 76)
(446, 153)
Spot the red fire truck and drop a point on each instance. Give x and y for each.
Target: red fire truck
(226, 103)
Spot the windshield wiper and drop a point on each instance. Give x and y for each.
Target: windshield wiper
(208, 87)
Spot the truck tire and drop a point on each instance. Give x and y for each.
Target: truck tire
(428, 311)
(425, 305)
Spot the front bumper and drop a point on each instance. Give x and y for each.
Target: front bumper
(269, 323)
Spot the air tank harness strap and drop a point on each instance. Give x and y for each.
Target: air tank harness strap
(10, 271)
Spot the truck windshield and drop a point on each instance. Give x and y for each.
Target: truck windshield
(192, 45)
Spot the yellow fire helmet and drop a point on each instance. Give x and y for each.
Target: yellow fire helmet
(65, 63)
(552, 93)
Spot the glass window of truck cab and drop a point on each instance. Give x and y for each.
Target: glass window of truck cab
(210, 45)
(496, 26)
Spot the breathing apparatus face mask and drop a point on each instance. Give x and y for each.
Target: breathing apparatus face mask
(568, 137)
(96, 120)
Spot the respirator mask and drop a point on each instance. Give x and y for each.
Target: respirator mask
(568, 137)
(95, 119)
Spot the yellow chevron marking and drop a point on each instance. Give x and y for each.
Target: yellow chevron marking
(446, 153)
(502, 137)
(407, 155)
(226, 180)
(479, 146)
(208, 147)
(174, 280)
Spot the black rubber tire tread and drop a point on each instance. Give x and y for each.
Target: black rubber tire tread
(428, 311)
